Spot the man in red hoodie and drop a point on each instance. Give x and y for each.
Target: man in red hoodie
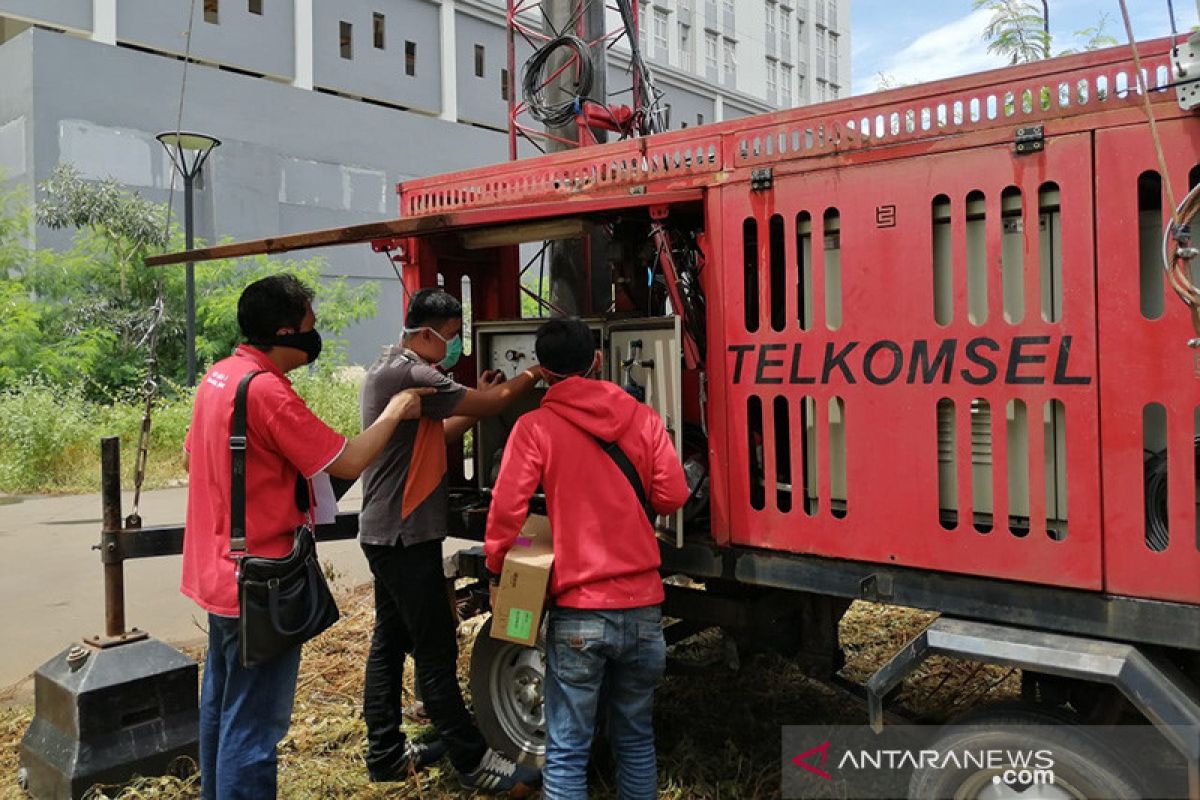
(605, 615)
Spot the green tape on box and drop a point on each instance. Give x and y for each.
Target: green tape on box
(520, 623)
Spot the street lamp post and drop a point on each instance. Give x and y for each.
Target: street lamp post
(188, 152)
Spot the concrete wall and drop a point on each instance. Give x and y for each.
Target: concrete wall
(479, 98)
(313, 161)
(75, 15)
(260, 43)
(374, 73)
(16, 113)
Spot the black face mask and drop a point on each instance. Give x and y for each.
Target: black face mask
(308, 341)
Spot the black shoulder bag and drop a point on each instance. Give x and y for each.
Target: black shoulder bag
(284, 602)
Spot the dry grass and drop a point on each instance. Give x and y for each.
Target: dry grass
(718, 729)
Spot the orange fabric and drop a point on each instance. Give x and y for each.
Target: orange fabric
(428, 465)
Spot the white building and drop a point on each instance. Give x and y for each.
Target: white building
(783, 53)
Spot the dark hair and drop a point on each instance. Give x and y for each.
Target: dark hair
(271, 303)
(565, 346)
(429, 308)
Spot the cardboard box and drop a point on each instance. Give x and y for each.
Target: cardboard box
(521, 598)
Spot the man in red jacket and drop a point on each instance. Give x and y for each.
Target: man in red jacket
(605, 616)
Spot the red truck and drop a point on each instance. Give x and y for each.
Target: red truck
(916, 347)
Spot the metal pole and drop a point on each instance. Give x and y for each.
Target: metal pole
(114, 573)
(578, 275)
(190, 298)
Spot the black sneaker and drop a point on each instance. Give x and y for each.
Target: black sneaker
(499, 774)
(417, 756)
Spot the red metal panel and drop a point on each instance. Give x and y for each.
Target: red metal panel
(891, 511)
(1144, 361)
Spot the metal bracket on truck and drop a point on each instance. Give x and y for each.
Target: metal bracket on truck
(1155, 688)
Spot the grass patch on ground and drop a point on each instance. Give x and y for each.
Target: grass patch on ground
(50, 435)
(718, 729)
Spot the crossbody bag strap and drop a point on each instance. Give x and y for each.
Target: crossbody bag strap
(624, 464)
(237, 452)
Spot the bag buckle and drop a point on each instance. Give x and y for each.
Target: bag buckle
(237, 442)
(237, 545)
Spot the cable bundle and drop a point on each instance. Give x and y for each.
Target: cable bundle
(534, 86)
(1155, 472)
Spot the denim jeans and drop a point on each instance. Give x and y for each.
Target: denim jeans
(413, 615)
(244, 712)
(624, 651)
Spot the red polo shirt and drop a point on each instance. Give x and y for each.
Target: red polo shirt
(283, 439)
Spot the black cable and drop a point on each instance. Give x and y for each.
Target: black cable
(1155, 471)
(534, 86)
(1171, 12)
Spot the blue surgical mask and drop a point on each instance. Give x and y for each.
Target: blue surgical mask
(454, 346)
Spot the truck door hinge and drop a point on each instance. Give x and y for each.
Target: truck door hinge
(1030, 139)
(762, 179)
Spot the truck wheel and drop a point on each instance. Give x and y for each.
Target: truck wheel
(507, 682)
(1083, 769)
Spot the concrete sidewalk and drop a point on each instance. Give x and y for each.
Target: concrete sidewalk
(52, 589)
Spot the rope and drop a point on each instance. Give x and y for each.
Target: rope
(1177, 264)
(157, 312)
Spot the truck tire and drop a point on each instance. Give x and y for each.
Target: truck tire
(507, 682)
(1084, 767)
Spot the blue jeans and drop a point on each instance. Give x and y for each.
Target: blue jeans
(625, 652)
(244, 712)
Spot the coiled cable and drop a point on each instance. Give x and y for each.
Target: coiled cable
(535, 86)
(1155, 488)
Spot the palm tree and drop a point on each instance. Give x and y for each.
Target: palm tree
(1017, 30)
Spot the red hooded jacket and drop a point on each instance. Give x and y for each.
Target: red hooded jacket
(605, 551)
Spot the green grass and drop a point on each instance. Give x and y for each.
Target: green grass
(50, 435)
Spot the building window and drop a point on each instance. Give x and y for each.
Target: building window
(479, 60)
(772, 80)
(377, 26)
(833, 90)
(785, 29)
(833, 57)
(710, 52)
(832, 16)
(685, 48)
(504, 84)
(346, 39)
(699, 119)
(255, 7)
(820, 12)
(212, 11)
(821, 90)
(643, 22)
(803, 91)
(820, 54)
(410, 58)
(730, 61)
(660, 31)
(772, 13)
(785, 83)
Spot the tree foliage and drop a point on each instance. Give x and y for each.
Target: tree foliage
(1016, 30)
(79, 317)
(1019, 32)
